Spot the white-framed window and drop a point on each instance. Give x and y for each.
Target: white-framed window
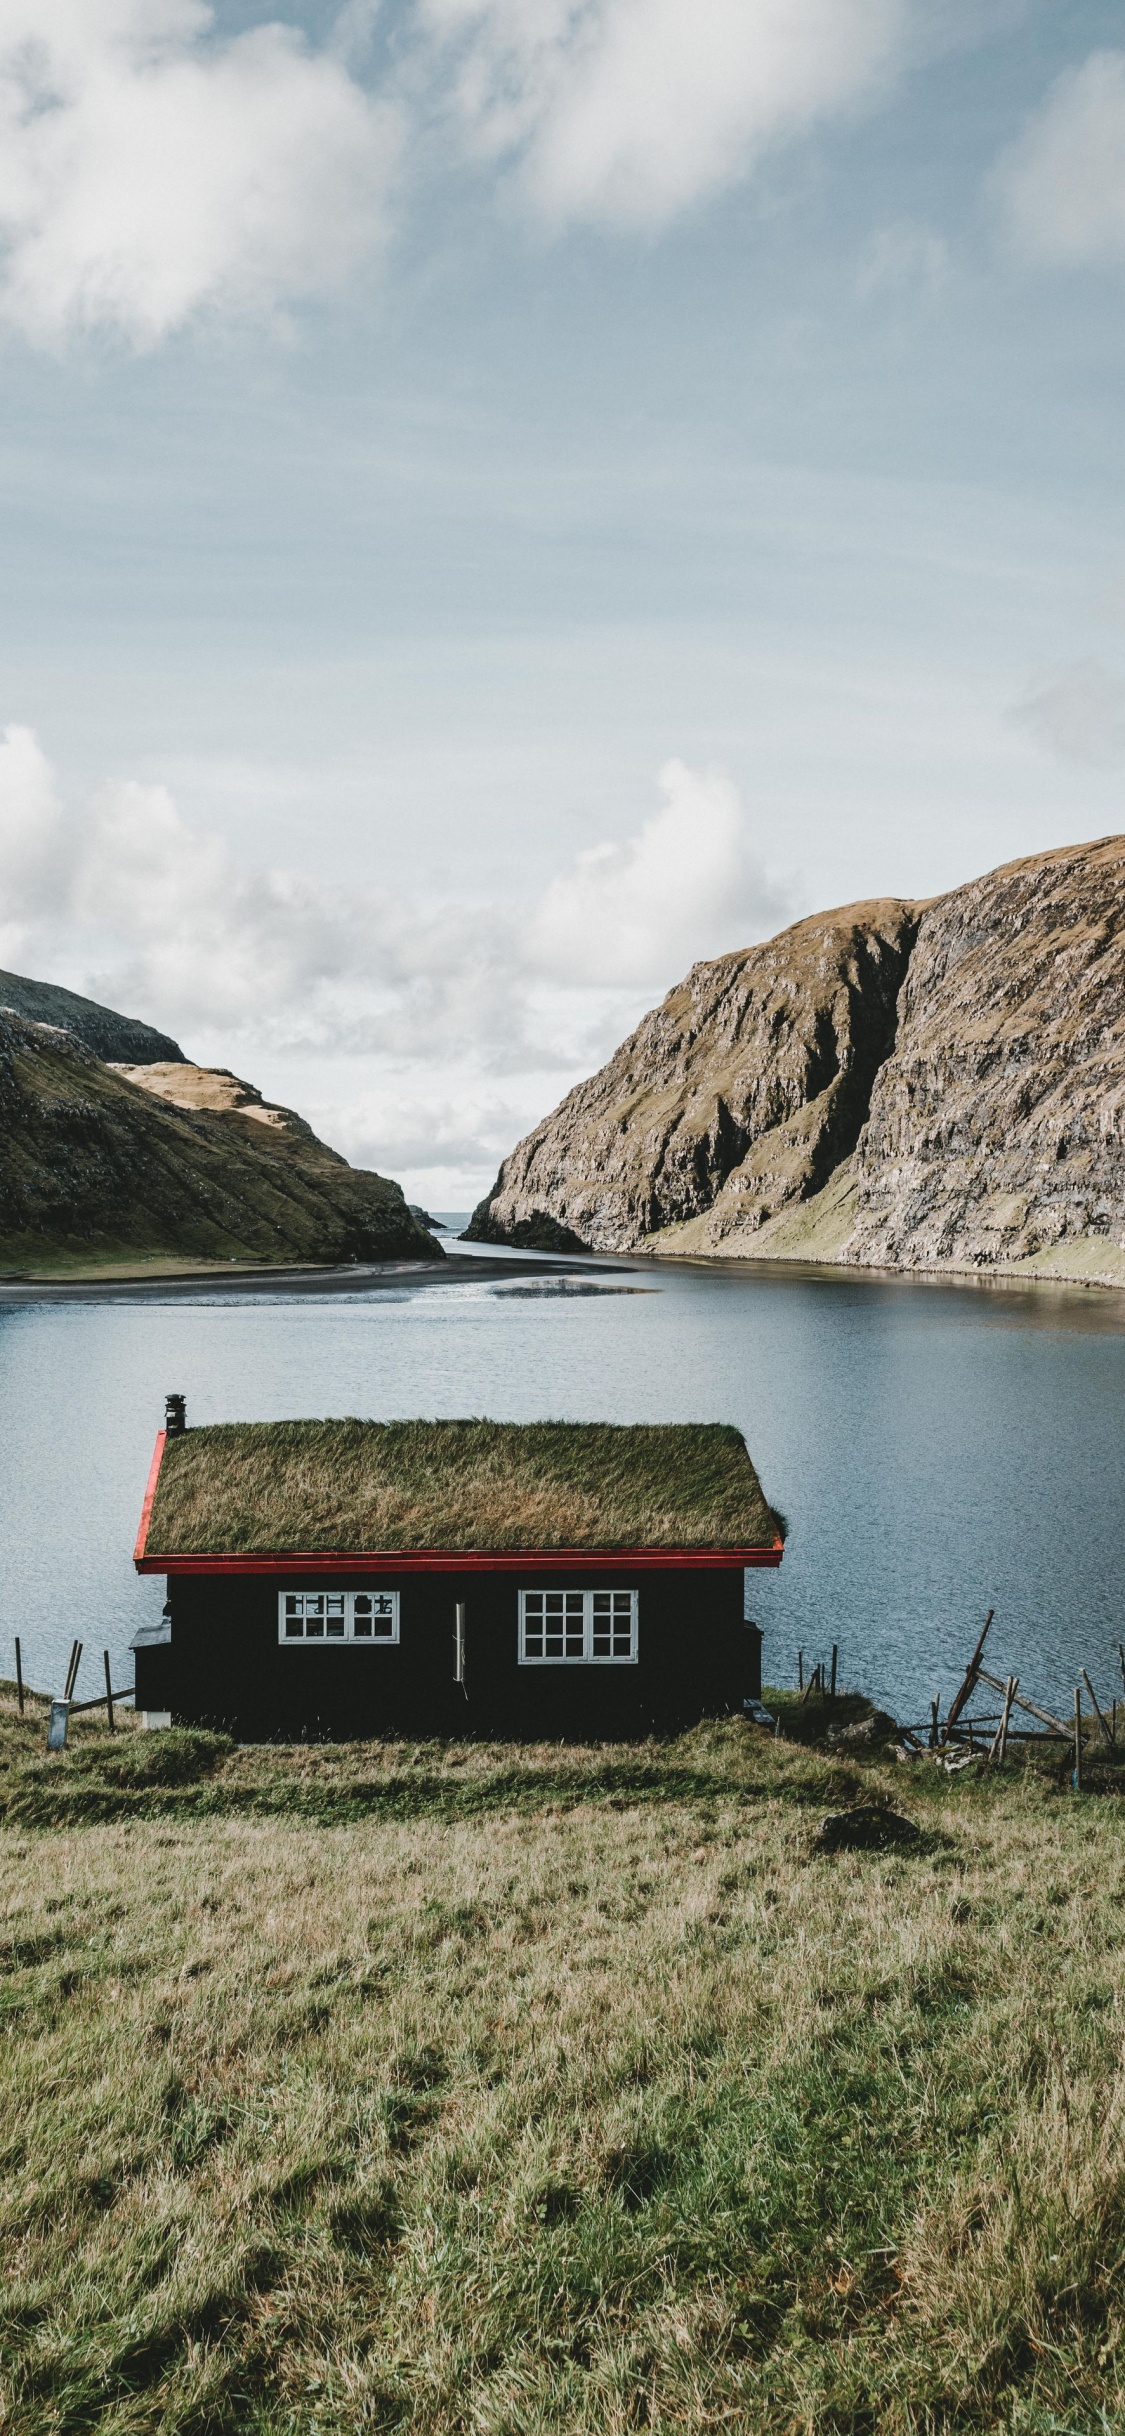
(314, 1617)
(578, 1628)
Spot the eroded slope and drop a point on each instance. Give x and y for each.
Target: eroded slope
(997, 1129)
(92, 1165)
(733, 1100)
(936, 1086)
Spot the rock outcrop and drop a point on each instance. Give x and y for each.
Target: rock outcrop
(742, 1092)
(997, 1129)
(169, 1161)
(910, 1086)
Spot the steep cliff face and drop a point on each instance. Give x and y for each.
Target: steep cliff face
(94, 1165)
(936, 1086)
(737, 1097)
(997, 1129)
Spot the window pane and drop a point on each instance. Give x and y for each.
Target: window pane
(383, 1611)
(361, 1615)
(554, 1621)
(314, 1615)
(577, 1627)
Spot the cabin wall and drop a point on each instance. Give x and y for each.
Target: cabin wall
(224, 1667)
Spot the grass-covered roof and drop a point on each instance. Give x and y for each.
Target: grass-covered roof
(256, 1488)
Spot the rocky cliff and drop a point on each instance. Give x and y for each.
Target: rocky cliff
(168, 1161)
(912, 1086)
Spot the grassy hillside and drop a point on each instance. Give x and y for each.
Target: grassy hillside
(92, 1166)
(479, 2089)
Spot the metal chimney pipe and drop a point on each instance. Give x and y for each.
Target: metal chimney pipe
(175, 1416)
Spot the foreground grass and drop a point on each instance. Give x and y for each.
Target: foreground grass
(445, 2089)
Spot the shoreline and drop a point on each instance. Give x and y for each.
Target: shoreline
(368, 1277)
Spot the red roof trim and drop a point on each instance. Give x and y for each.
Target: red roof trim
(150, 1492)
(340, 1564)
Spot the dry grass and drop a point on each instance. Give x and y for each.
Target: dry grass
(250, 1487)
(574, 2093)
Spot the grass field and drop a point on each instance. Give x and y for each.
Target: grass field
(466, 2088)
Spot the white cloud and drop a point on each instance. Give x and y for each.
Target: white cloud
(1062, 184)
(399, 1013)
(32, 835)
(424, 1131)
(176, 925)
(629, 110)
(1078, 713)
(644, 910)
(150, 171)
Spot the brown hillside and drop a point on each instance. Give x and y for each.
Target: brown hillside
(923, 1086)
(750, 1083)
(94, 1165)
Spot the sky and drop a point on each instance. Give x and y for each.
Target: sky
(502, 498)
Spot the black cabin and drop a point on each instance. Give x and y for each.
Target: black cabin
(536, 1581)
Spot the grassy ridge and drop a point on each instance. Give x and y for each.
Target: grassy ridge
(584, 2094)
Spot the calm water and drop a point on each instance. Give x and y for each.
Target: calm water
(938, 1449)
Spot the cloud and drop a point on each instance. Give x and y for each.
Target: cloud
(643, 911)
(1078, 713)
(628, 111)
(32, 834)
(151, 171)
(122, 898)
(1062, 184)
(425, 1131)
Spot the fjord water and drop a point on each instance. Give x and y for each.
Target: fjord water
(938, 1449)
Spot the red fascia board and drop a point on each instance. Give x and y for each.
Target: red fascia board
(150, 1492)
(340, 1565)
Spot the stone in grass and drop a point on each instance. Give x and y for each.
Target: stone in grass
(869, 1827)
(878, 1727)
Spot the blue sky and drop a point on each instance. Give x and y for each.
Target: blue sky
(500, 498)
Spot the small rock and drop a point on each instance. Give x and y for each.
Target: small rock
(867, 1828)
(878, 1727)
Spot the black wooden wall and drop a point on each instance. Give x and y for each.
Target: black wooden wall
(223, 1665)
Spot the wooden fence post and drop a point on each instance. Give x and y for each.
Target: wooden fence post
(108, 1691)
(834, 1656)
(19, 1675)
(1106, 1736)
(972, 1671)
(1077, 1740)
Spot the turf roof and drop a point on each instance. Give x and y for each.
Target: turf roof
(272, 1487)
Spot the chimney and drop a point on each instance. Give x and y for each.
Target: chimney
(175, 1416)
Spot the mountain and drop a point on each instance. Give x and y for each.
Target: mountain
(160, 1159)
(98, 1028)
(936, 1085)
